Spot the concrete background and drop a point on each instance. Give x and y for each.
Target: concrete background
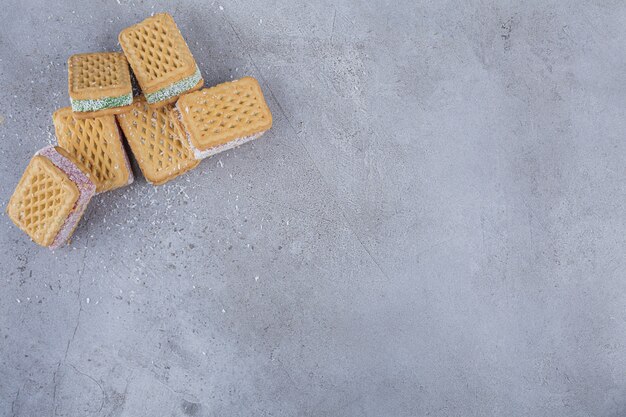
(434, 226)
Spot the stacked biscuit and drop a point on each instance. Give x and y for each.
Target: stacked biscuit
(170, 127)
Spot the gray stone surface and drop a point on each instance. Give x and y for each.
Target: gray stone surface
(434, 226)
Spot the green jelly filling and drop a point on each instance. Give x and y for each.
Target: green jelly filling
(175, 88)
(102, 103)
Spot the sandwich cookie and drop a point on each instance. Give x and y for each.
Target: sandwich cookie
(51, 197)
(96, 143)
(99, 84)
(222, 117)
(160, 59)
(161, 152)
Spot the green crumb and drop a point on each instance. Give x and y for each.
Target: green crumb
(101, 103)
(175, 88)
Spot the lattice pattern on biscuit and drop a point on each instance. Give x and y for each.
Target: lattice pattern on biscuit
(225, 112)
(98, 80)
(42, 201)
(95, 143)
(157, 48)
(160, 151)
(95, 70)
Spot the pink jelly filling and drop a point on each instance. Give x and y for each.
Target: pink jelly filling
(85, 186)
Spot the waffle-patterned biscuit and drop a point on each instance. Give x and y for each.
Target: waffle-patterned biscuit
(222, 117)
(160, 59)
(99, 84)
(161, 152)
(96, 143)
(51, 197)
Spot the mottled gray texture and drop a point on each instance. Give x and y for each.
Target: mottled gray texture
(436, 220)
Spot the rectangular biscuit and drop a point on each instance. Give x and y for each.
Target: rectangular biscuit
(160, 59)
(222, 117)
(99, 83)
(162, 154)
(51, 197)
(95, 143)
